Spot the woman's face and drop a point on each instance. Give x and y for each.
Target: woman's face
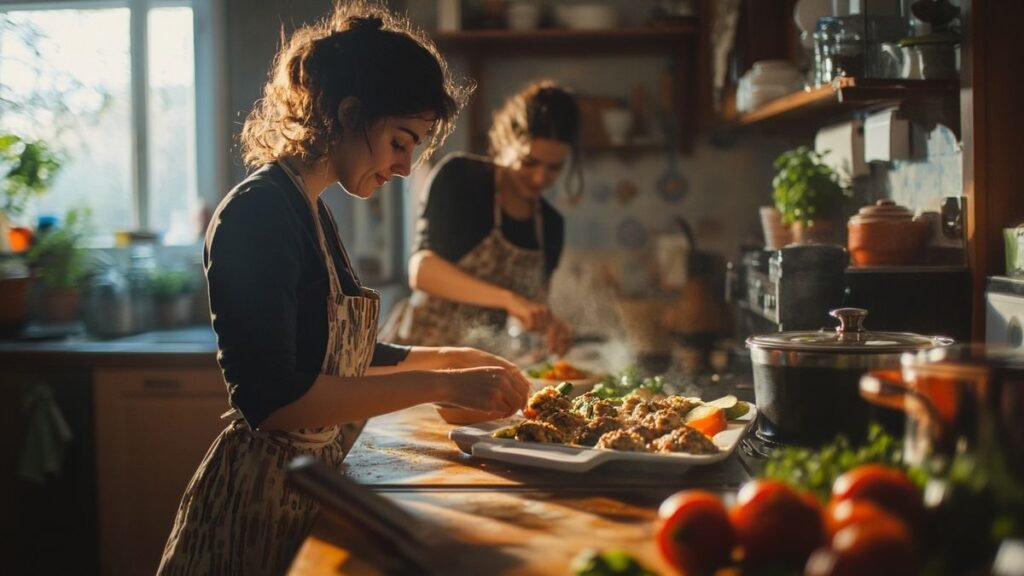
(538, 168)
(364, 162)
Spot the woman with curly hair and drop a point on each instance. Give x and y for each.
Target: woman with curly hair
(487, 240)
(349, 100)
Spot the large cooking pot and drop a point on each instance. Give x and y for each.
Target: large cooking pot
(806, 383)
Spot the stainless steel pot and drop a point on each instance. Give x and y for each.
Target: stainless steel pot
(806, 383)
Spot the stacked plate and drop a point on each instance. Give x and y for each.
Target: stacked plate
(766, 81)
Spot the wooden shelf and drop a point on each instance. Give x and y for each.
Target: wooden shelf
(680, 42)
(560, 40)
(808, 110)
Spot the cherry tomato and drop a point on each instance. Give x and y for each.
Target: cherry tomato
(842, 513)
(879, 547)
(776, 526)
(694, 533)
(886, 487)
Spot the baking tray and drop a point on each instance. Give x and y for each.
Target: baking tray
(476, 441)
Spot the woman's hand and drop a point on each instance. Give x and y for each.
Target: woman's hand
(491, 391)
(461, 358)
(558, 337)
(534, 316)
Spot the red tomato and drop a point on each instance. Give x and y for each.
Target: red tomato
(879, 547)
(889, 488)
(842, 513)
(776, 526)
(694, 533)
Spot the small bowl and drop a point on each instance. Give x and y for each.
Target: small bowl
(886, 234)
(587, 16)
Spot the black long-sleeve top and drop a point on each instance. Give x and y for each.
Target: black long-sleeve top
(459, 213)
(269, 290)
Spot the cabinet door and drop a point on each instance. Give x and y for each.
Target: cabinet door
(153, 428)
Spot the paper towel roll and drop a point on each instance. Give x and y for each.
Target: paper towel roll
(845, 143)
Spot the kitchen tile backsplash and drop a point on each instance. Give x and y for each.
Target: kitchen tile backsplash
(935, 173)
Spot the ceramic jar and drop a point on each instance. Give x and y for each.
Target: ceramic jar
(886, 234)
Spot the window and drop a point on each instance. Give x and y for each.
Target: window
(113, 86)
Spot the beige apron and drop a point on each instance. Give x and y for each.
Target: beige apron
(238, 514)
(427, 320)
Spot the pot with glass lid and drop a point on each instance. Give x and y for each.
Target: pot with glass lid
(806, 383)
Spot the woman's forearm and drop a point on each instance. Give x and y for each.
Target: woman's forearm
(334, 399)
(436, 276)
(491, 386)
(419, 358)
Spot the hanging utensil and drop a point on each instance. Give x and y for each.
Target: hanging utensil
(671, 185)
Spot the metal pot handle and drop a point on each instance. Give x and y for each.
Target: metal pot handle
(886, 388)
(851, 322)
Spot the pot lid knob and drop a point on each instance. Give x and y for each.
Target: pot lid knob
(851, 320)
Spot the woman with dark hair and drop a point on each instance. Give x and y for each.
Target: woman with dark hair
(487, 240)
(349, 100)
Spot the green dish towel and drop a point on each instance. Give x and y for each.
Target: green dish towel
(46, 436)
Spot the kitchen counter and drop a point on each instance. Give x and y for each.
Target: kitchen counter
(190, 347)
(500, 518)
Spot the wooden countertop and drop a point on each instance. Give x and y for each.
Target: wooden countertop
(497, 518)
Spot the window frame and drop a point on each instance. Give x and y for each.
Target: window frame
(209, 33)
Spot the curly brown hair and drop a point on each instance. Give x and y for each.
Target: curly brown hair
(361, 50)
(542, 109)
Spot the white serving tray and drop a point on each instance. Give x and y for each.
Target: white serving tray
(476, 440)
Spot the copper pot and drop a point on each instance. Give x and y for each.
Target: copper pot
(886, 234)
(968, 397)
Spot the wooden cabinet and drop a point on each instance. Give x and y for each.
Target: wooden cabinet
(153, 427)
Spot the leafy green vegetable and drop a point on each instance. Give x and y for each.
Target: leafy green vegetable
(627, 380)
(609, 563)
(167, 284)
(805, 188)
(816, 469)
(538, 372)
(27, 169)
(58, 254)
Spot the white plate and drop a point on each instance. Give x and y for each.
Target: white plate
(807, 12)
(477, 441)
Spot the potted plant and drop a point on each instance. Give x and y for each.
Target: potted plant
(60, 262)
(172, 291)
(28, 168)
(807, 194)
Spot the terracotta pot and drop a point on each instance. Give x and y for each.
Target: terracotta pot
(59, 305)
(818, 232)
(173, 312)
(886, 234)
(13, 304)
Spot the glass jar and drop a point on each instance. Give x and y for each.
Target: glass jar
(848, 48)
(824, 44)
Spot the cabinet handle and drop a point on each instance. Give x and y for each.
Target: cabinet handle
(161, 384)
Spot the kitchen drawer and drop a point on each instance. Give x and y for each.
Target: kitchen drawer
(153, 428)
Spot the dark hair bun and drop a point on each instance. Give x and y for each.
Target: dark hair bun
(365, 23)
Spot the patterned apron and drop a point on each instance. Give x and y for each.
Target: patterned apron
(427, 320)
(238, 514)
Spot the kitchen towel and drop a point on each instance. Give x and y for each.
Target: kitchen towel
(46, 436)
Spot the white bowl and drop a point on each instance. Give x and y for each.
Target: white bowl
(587, 16)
